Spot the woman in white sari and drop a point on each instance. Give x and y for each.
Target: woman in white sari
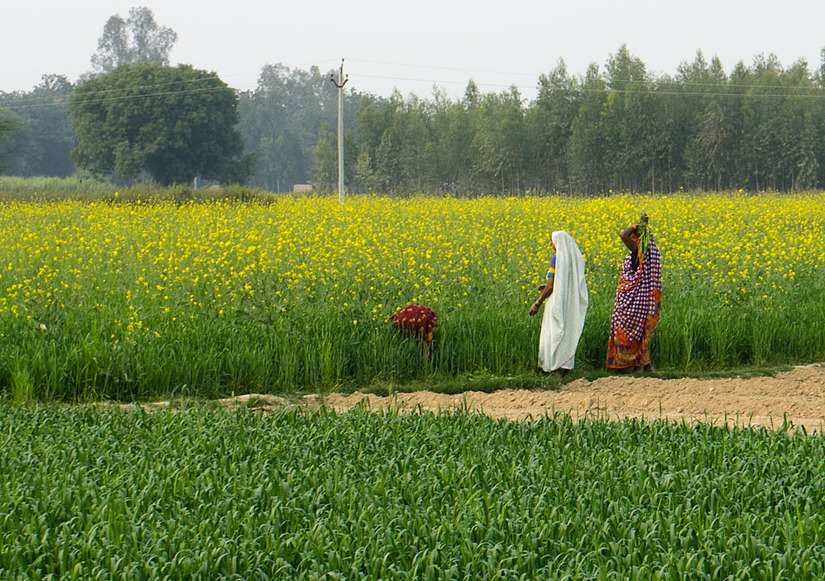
(566, 294)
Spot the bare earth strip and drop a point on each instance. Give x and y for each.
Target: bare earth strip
(797, 396)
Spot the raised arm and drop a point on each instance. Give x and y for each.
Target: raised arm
(628, 239)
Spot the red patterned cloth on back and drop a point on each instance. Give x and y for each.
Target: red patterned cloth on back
(418, 320)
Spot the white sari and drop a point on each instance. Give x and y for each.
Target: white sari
(564, 311)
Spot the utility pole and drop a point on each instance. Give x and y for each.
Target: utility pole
(342, 80)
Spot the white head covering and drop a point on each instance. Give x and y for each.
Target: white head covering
(565, 310)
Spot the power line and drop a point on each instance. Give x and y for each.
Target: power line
(784, 91)
(109, 95)
(27, 102)
(441, 68)
(514, 74)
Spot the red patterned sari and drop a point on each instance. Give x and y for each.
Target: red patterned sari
(636, 312)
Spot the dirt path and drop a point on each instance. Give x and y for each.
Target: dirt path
(798, 395)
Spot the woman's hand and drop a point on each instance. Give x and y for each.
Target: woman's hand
(546, 290)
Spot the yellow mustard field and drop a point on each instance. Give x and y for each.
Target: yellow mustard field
(132, 299)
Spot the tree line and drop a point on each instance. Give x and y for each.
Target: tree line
(761, 127)
(614, 128)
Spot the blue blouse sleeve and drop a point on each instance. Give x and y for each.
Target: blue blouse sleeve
(552, 272)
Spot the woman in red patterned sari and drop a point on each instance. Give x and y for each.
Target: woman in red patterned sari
(638, 301)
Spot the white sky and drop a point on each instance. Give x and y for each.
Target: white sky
(414, 45)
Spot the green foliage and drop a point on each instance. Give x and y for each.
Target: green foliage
(325, 169)
(9, 124)
(172, 123)
(44, 137)
(122, 493)
(643, 230)
(136, 40)
(285, 120)
(614, 129)
(89, 189)
(52, 188)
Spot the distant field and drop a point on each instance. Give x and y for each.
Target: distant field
(137, 299)
(111, 493)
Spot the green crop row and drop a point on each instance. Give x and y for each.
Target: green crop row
(123, 494)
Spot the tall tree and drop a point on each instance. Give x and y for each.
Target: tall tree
(136, 40)
(50, 126)
(125, 124)
(708, 113)
(500, 142)
(391, 158)
(627, 115)
(587, 140)
(798, 134)
(325, 169)
(451, 136)
(9, 124)
(761, 122)
(281, 121)
(550, 125)
(373, 120)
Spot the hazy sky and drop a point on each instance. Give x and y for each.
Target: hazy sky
(415, 45)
